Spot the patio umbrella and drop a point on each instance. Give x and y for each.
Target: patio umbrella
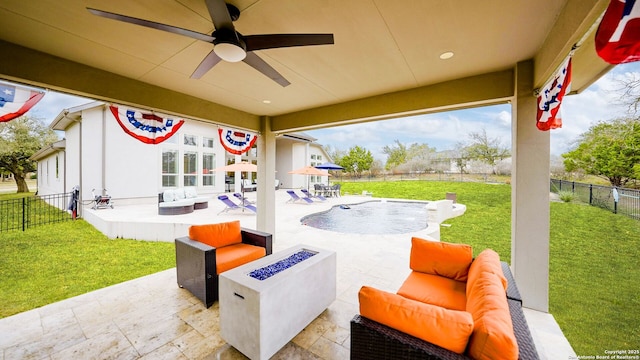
(309, 170)
(242, 166)
(329, 166)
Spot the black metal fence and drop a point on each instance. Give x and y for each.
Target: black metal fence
(26, 212)
(618, 200)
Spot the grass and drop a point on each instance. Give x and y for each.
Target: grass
(594, 258)
(594, 267)
(53, 262)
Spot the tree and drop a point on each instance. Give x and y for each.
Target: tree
(19, 139)
(486, 149)
(396, 155)
(357, 160)
(609, 149)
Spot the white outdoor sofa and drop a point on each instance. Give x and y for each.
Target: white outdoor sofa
(180, 201)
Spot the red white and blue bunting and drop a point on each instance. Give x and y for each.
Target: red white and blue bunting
(236, 142)
(146, 127)
(16, 101)
(618, 35)
(551, 96)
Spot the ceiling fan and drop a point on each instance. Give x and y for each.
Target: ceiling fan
(228, 44)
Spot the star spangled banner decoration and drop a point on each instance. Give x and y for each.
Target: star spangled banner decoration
(146, 127)
(550, 98)
(235, 141)
(618, 36)
(16, 101)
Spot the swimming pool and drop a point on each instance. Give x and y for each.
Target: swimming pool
(371, 217)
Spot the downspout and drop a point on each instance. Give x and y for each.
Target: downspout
(79, 121)
(104, 152)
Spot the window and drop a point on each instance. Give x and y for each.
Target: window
(169, 168)
(190, 168)
(190, 140)
(319, 158)
(208, 142)
(313, 156)
(57, 167)
(208, 161)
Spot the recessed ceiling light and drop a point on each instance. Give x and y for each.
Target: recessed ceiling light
(446, 55)
(266, 101)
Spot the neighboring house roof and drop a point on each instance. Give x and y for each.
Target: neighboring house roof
(48, 150)
(68, 116)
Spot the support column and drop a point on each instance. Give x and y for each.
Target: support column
(266, 194)
(530, 213)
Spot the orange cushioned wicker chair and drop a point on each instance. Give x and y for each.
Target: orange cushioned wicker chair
(212, 249)
(450, 307)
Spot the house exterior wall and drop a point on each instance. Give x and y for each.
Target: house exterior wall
(100, 155)
(51, 174)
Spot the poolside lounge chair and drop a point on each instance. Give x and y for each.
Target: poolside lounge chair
(295, 198)
(230, 205)
(243, 199)
(308, 195)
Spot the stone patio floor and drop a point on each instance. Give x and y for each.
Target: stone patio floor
(152, 318)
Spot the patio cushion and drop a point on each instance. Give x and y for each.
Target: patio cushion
(487, 261)
(441, 258)
(217, 235)
(232, 256)
(190, 192)
(176, 203)
(168, 195)
(493, 336)
(435, 290)
(446, 328)
(179, 194)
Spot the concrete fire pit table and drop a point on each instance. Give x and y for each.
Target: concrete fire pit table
(258, 317)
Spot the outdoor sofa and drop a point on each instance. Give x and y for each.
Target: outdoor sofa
(211, 249)
(180, 201)
(450, 307)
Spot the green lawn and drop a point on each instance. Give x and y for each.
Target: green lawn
(53, 262)
(594, 266)
(594, 291)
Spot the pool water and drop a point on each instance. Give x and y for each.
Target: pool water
(372, 217)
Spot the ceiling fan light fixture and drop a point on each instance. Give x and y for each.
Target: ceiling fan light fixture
(229, 52)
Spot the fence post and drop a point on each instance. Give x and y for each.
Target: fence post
(23, 212)
(590, 194)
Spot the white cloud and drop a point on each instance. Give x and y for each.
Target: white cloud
(53, 103)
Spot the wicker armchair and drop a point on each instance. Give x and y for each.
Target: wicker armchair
(371, 340)
(196, 263)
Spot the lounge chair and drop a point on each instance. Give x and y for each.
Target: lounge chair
(308, 195)
(230, 205)
(295, 198)
(243, 199)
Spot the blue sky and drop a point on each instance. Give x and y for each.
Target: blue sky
(444, 130)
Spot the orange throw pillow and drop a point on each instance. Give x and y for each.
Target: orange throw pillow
(435, 290)
(449, 329)
(217, 235)
(441, 258)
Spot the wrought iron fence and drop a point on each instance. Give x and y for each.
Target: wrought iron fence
(618, 200)
(26, 212)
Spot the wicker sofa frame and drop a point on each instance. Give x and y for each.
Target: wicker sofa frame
(196, 263)
(371, 340)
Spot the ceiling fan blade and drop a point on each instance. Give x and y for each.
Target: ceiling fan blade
(207, 63)
(270, 41)
(257, 63)
(219, 14)
(153, 25)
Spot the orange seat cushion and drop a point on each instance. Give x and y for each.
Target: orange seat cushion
(449, 329)
(441, 258)
(217, 235)
(435, 290)
(229, 257)
(487, 261)
(493, 336)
